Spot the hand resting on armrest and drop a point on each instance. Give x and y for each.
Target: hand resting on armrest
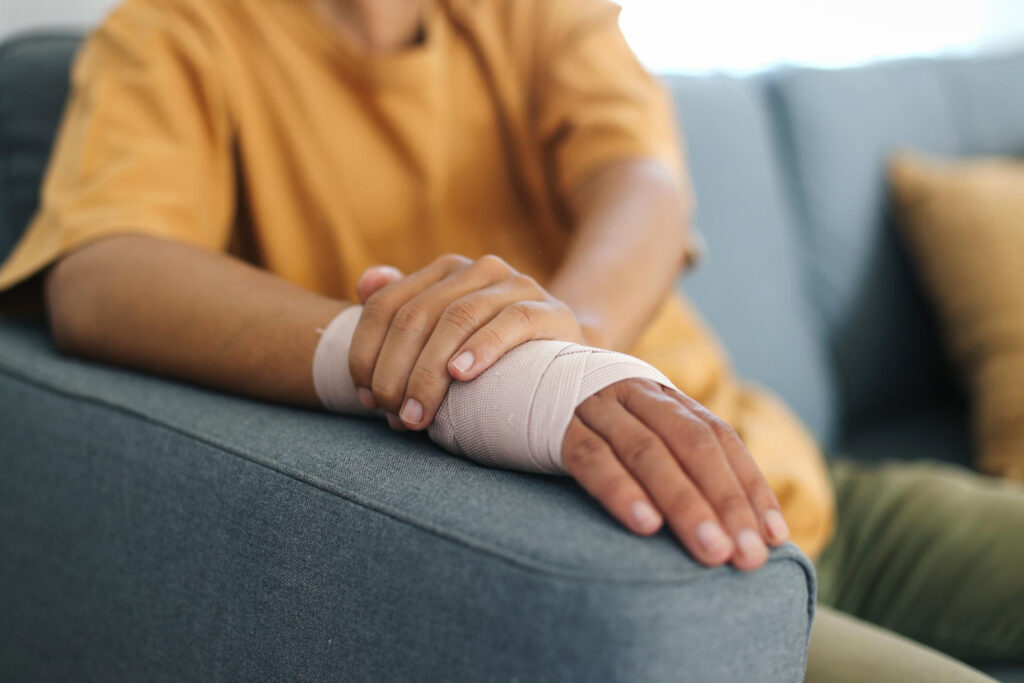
(648, 453)
(613, 422)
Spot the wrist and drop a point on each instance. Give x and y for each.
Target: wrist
(331, 377)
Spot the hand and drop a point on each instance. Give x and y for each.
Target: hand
(649, 453)
(450, 320)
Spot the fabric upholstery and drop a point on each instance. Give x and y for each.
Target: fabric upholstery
(932, 430)
(964, 225)
(152, 529)
(33, 87)
(675, 341)
(199, 536)
(838, 134)
(749, 286)
(837, 128)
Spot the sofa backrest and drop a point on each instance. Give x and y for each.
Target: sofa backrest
(33, 86)
(750, 286)
(805, 282)
(748, 289)
(836, 129)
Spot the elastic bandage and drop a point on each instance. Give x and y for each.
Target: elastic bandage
(514, 415)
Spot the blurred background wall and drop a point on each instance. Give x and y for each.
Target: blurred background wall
(729, 35)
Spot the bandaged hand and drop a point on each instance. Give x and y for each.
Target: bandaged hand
(647, 452)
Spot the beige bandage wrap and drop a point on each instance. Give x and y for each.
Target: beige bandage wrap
(331, 377)
(514, 415)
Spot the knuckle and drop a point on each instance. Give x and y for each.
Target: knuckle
(731, 504)
(378, 308)
(699, 437)
(462, 315)
(410, 319)
(563, 310)
(628, 389)
(720, 427)
(642, 449)
(494, 265)
(452, 261)
(387, 394)
(525, 314)
(686, 504)
(425, 383)
(491, 337)
(618, 486)
(622, 389)
(585, 452)
(762, 495)
(523, 281)
(360, 367)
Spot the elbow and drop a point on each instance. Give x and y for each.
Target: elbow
(68, 309)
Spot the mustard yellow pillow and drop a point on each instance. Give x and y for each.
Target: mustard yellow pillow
(964, 225)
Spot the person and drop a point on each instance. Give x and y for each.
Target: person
(228, 176)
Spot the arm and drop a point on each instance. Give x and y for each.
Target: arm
(188, 313)
(631, 239)
(646, 453)
(631, 227)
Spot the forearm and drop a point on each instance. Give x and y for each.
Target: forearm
(188, 313)
(632, 233)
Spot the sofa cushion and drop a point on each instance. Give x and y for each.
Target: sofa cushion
(150, 526)
(930, 430)
(749, 286)
(837, 128)
(964, 224)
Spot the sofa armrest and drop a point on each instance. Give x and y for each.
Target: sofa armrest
(151, 529)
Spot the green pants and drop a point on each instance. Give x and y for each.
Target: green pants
(932, 552)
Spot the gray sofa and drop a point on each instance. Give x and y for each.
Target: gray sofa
(151, 530)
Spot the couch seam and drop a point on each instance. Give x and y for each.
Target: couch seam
(475, 544)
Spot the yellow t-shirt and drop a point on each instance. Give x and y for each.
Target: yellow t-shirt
(252, 127)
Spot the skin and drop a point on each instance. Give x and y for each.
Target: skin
(648, 454)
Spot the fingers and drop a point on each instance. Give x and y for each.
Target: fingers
(696, 447)
(411, 327)
(375, 278)
(590, 461)
(429, 378)
(394, 422)
(405, 340)
(379, 310)
(519, 322)
(649, 461)
(452, 319)
(759, 493)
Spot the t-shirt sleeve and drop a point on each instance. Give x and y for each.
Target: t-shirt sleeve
(595, 104)
(144, 144)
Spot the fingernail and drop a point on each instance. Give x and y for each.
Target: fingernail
(366, 398)
(464, 361)
(776, 525)
(412, 412)
(711, 537)
(645, 516)
(750, 546)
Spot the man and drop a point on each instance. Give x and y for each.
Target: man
(227, 173)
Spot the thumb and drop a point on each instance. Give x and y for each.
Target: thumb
(375, 278)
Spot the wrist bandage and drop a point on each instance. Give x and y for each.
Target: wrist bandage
(514, 415)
